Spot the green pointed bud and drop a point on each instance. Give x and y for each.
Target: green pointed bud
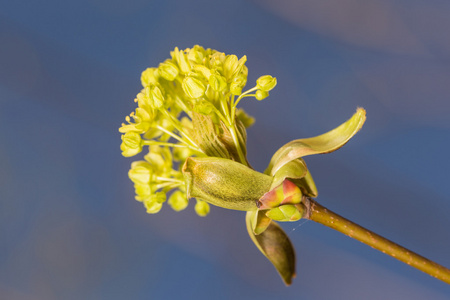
(131, 144)
(259, 95)
(225, 183)
(140, 172)
(149, 77)
(201, 208)
(178, 200)
(168, 70)
(193, 87)
(286, 193)
(157, 96)
(285, 213)
(266, 83)
(217, 82)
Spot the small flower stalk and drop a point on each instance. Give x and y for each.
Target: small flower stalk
(194, 135)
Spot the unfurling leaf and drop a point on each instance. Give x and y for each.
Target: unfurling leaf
(258, 221)
(276, 246)
(294, 169)
(325, 143)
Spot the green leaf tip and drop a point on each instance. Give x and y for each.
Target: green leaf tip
(325, 143)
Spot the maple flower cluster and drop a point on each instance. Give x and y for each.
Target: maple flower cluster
(187, 107)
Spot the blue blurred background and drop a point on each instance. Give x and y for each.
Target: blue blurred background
(69, 71)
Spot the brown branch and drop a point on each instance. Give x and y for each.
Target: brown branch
(324, 216)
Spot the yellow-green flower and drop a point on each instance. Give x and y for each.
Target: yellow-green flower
(187, 107)
(178, 200)
(266, 83)
(131, 144)
(201, 208)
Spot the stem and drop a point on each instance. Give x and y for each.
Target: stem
(328, 218)
(242, 158)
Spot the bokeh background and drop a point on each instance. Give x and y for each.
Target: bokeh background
(69, 71)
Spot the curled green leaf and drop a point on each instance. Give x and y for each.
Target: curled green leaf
(294, 169)
(325, 143)
(306, 185)
(258, 221)
(276, 246)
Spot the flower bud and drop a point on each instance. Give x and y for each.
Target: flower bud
(201, 208)
(178, 200)
(143, 191)
(196, 54)
(149, 77)
(193, 87)
(202, 70)
(225, 183)
(157, 97)
(182, 60)
(217, 82)
(131, 144)
(140, 172)
(259, 95)
(152, 207)
(232, 66)
(159, 197)
(237, 85)
(266, 83)
(216, 60)
(168, 70)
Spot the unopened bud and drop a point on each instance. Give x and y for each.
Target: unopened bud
(266, 83)
(193, 87)
(168, 70)
(260, 94)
